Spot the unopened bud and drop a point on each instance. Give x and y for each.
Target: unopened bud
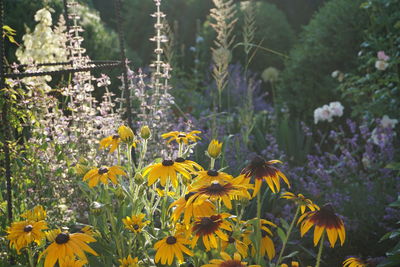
(145, 132)
(214, 149)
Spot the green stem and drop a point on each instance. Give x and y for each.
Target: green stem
(321, 245)
(30, 257)
(258, 246)
(287, 236)
(212, 163)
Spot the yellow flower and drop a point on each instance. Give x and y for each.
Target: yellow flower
(228, 261)
(189, 164)
(193, 209)
(23, 233)
(135, 223)
(209, 227)
(145, 132)
(301, 201)
(165, 170)
(239, 245)
(129, 262)
(163, 193)
(206, 177)
(293, 264)
(171, 247)
(214, 149)
(354, 262)
(70, 261)
(87, 229)
(180, 137)
(110, 141)
(67, 245)
(223, 191)
(325, 220)
(126, 134)
(263, 170)
(267, 245)
(103, 174)
(36, 214)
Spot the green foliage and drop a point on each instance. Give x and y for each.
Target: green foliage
(330, 42)
(100, 42)
(393, 256)
(368, 90)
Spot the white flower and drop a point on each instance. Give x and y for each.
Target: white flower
(381, 65)
(336, 109)
(326, 113)
(386, 122)
(335, 74)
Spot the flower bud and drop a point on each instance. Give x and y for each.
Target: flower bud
(125, 133)
(145, 132)
(214, 149)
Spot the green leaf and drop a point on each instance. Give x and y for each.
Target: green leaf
(281, 234)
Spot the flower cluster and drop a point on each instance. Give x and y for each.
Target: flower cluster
(382, 62)
(327, 112)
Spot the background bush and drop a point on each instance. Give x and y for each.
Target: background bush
(329, 42)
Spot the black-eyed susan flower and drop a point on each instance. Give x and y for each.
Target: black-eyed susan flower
(210, 228)
(180, 137)
(206, 177)
(189, 164)
(110, 141)
(214, 149)
(325, 220)
(126, 134)
(354, 262)
(36, 214)
(193, 209)
(261, 169)
(67, 245)
(87, 229)
(166, 170)
(237, 243)
(223, 191)
(103, 174)
(292, 264)
(266, 245)
(172, 247)
(301, 200)
(228, 261)
(135, 223)
(23, 233)
(69, 261)
(129, 262)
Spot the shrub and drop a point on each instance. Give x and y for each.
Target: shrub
(328, 43)
(372, 89)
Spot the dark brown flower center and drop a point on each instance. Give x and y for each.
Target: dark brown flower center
(181, 135)
(103, 170)
(171, 240)
(212, 173)
(62, 238)
(231, 240)
(215, 187)
(188, 195)
(206, 222)
(115, 136)
(167, 162)
(28, 228)
(136, 227)
(180, 160)
(257, 161)
(231, 263)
